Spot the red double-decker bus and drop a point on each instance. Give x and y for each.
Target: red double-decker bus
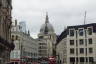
(49, 60)
(52, 60)
(23, 60)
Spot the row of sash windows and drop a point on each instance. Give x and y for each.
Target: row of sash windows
(80, 32)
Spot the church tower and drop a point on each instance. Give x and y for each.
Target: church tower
(47, 33)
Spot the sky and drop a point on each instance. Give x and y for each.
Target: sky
(62, 13)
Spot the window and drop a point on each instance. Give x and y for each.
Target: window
(90, 59)
(72, 59)
(81, 41)
(42, 43)
(76, 59)
(90, 41)
(71, 42)
(31, 54)
(16, 37)
(81, 32)
(89, 31)
(81, 59)
(12, 37)
(90, 50)
(86, 59)
(72, 50)
(71, 32)
(42, 47)
(40, 37)
(81, 50)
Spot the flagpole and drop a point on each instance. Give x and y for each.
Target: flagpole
(85, 18)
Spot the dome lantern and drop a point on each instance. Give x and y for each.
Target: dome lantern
(47, 19)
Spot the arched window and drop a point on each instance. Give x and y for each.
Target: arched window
(12, 37)
(16, 37)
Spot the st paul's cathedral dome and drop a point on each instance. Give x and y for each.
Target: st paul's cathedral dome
(46, 28)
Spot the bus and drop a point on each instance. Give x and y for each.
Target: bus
(52, 60)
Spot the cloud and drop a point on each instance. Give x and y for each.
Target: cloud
(61, 13)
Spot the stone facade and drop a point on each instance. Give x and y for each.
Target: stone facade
(42, 48)
(5, 31)
(25, 45)
(80, 44)
(61, 51)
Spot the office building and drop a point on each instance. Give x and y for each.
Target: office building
(77, 44)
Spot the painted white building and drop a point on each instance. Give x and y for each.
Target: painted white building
(25, 45)
(79, 42)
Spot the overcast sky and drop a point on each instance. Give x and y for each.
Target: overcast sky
(61, 13)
